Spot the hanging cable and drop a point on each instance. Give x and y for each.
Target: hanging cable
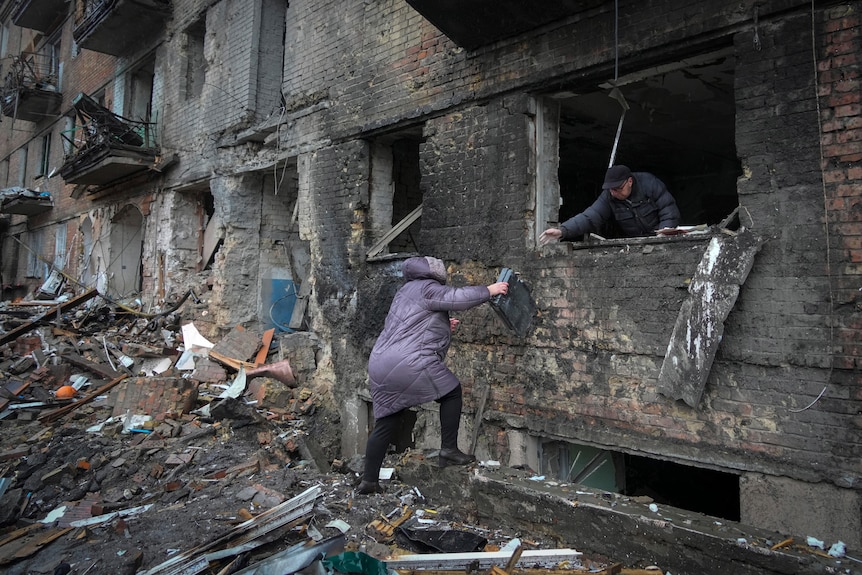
(616, 40)
(825, 219)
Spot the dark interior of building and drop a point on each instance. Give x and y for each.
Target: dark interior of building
(679, 125)
(696, 489)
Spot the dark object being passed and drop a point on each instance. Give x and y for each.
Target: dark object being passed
(515, 308)
(436, 541)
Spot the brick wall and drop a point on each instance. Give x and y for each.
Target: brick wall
(587, 373)
(839, 48)
(475, 163)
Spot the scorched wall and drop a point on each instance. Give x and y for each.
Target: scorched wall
(781, 402)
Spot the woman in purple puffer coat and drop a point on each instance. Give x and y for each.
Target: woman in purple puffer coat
(407, 367)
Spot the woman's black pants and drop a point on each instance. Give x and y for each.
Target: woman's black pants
(385, 428)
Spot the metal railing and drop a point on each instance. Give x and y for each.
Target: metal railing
(86, 8)
(98, 128)
(33, 71)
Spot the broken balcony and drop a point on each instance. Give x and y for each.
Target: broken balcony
(105, 146)
(482, 22)
(40, 15)
(30, 92)
(118, 27)
(16, 200)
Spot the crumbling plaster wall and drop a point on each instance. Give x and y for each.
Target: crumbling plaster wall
(172, 245)
(237, 273)
(587, 372)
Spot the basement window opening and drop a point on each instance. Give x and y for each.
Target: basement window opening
(696, 489)
(679, 126)
(395, 197)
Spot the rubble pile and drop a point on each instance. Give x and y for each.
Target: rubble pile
(132, 444)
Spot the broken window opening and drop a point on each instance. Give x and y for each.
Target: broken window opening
(195, 61)
(679, 126)
(697, 489)
(395, 194)
(45, 156)
(285, 257)
(211, 230)
(139, 106)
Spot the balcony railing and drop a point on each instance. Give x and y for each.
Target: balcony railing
(30, 90)
(104, 146)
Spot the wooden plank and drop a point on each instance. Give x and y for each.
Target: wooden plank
(300, 306)
(12, 536)
(612, 570)
(105, 371)
(229, 361)
(17, 332)
(19, 549)
(14, 388)
(393, 233)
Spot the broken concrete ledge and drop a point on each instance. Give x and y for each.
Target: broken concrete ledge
(616, 526)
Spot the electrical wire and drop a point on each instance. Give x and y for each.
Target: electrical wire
(290, 293)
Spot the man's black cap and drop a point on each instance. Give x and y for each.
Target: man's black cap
(616, 176)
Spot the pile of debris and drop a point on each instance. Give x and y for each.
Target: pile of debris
(132, 444)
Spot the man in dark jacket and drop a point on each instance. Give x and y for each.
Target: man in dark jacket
(639, 202)
(407, 367)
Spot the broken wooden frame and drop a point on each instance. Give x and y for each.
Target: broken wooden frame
(14, 334)
(481, 559)
(377, 248)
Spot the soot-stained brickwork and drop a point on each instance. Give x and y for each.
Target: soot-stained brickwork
(492, 138)
(781, 397)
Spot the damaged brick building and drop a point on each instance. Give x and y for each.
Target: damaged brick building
(295, 152)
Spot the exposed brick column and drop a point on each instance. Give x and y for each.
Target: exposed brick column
(838, 47)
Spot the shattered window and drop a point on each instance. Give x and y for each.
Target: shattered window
(653, 120)
(395, 195)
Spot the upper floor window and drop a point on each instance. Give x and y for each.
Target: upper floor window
(675, 121)
(44, 156)
(195, 62)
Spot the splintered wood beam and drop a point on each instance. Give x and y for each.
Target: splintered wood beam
(393, 233)
(17, 332)
(97, 368)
